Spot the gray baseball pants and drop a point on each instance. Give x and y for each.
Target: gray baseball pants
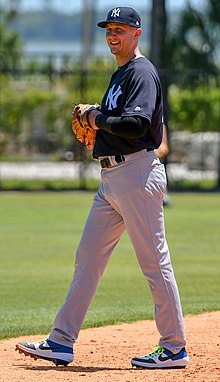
(130, 197)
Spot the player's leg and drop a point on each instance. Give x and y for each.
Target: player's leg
(142, 210)
(102, 232)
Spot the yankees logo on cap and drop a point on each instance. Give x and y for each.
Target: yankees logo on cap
(115, 12)
(122, 15)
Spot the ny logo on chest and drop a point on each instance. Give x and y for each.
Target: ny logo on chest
(113, 94)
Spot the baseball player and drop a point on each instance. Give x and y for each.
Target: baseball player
(124, 131)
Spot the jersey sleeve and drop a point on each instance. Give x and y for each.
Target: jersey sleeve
(141, 95)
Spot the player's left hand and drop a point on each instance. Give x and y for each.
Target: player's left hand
(81, 126)
(83, 111)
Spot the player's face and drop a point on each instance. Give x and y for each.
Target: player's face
(122, 40)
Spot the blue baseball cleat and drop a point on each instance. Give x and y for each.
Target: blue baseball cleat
(162, 358)
(48, 350)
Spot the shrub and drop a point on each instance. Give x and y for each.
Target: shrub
(196, 110)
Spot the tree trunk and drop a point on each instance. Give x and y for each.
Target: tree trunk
(158, 32)
(158, 46)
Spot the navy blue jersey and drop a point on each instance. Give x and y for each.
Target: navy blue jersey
(134, 90)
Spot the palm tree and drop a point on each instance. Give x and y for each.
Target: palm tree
(192, 41)
(158, 32)
(158, 54)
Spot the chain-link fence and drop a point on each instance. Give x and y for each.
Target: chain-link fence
(37, 144)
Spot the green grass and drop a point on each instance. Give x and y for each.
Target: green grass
(39, 233)
(49, 185)
(93, 184)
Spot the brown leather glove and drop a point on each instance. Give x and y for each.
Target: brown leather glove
(80, 124)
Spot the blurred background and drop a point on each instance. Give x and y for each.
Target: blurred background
(52, 54)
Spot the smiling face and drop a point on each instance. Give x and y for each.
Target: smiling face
(122, 40)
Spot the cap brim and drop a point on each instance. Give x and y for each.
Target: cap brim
(102, 24)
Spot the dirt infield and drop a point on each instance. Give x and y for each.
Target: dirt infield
(103, 355)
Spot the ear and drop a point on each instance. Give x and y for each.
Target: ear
(138, 33)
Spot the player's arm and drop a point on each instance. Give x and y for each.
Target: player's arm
(163, 149)
(128, 127)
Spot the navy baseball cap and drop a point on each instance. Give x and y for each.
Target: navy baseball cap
(122, 15)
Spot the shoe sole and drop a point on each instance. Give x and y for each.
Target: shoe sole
(148, 366)
(57, 362)
(158, 367)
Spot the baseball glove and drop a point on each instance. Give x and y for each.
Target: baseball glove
(81, 127)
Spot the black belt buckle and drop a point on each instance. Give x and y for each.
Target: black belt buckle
(105, 163)
(119, 158)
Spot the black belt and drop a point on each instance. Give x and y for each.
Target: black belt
(106, 163)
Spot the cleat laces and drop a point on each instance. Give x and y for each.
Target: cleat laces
(158, 351)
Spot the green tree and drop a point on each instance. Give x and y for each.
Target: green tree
(10, 42)
(193, 41)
